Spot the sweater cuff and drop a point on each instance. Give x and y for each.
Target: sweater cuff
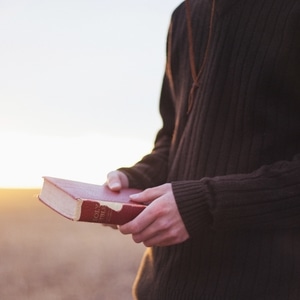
(191, 198)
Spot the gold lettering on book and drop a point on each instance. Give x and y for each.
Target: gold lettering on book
(101, 213)
(96, 212)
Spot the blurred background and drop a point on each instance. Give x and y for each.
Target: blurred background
(44, 256)
(79, 91)
(79, 86)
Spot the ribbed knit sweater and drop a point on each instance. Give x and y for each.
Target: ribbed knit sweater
(233, 160)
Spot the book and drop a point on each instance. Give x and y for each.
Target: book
(86, 202)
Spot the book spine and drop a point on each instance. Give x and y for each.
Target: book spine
(95, 212)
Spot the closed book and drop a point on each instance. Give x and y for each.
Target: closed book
(86, 202)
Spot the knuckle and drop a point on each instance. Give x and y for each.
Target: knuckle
(174, 234)
(159, 210)
(147, 244)
(136, 238)
(135, 228)
(163, 224)
(122, 229)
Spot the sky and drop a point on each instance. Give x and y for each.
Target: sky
(79, 86)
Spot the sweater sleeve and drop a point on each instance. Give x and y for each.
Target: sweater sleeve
(268, 198)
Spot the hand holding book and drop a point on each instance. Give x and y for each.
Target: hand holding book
(160, 224)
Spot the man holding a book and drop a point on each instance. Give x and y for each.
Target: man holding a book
(222, 183)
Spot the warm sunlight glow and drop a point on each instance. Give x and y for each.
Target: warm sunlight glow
(24, 159)
(79, 86)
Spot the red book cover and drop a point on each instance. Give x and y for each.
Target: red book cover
(80, 201)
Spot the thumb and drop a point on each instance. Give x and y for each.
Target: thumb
(149, 195)
(146, 196)
(116, 180)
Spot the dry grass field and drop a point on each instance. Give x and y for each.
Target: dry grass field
(44, 256)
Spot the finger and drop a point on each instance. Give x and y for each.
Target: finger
(161, 232)
(161, 239)
(113, 181)
(115, 185)
(164, 238)
(150, 232)
(150, 194)
(117, 180)
(140, 223)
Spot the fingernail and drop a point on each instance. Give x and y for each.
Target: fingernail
(114, 185)
(134, 196)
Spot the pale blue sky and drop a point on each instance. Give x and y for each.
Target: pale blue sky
(71, 69)
(70, 66)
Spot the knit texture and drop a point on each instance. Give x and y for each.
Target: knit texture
(233, 160)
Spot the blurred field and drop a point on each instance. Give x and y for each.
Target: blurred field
(45, 256)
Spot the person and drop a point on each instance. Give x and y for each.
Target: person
(222, 182)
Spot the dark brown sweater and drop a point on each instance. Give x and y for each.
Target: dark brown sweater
(234, 160)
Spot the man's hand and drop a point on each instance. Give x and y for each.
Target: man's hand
(160, 223)
(116, 181)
